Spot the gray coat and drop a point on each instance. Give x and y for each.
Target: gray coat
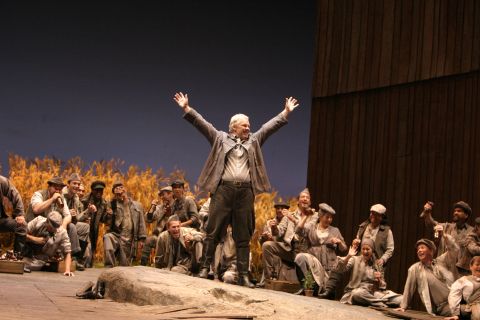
(221, 145)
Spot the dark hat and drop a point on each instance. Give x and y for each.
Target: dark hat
(428, 243)
(281, 205)
(167, 189)
(74, 177)
(55, 219)
(178, 182)
(464, 206)
(97, 184)
(56, 180)
(326, 208)
(116, 184)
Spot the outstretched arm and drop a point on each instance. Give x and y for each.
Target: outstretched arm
(182, 100)
(290, 104)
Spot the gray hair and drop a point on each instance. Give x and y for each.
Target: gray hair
(236, 119)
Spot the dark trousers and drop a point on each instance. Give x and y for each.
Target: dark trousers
(10, 225)
(230, 204)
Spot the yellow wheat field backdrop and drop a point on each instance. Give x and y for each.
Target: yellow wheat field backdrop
(29, 176)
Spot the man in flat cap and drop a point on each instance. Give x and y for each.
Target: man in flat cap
(458, 229)
(47, 239)
(432, 278)
(325, 243)
(97, 211)
(158, 214)
(233, 174)
(17, 222)
(277, 244)
(127, 228)
(45, 201)
(184, 207)
(177, 246)
(80, 218)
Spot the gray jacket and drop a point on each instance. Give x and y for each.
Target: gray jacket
(221, 145)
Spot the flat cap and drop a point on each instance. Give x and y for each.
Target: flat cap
(55, 219)
(166, 189)
(379, 208)
(116, 184)
(56, 180)
(74, 177)
(464, 206)
(178, 182)
(428, 243)
(326, 208)
(97, 184)
(281, 205)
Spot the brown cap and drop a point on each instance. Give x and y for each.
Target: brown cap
(74, 177)
(55, 219)
(428, 243)
(56, 180)
(464, 206)
(178, 182)
(116, 184)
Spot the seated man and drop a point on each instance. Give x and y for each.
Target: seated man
(127, 228)
(458, 229)
(432, 278)
(45, 201)
(184, 207)
(277, 242)
(466, 289)
(47, 239)
(367, 286)
(324, 242)
(178, 248)
(80, 219)
(158, 215)
(17, 224)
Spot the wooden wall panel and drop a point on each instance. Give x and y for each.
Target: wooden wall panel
(400, 146)
(366, 44)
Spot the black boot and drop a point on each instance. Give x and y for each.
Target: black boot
(330, 286)
(327, 294)
(244, 281)
(301, 278)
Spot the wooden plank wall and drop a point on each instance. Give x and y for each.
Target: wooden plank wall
(365, 44)
(394, 116)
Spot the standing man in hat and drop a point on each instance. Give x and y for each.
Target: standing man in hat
(46, 238)
(18, 223)
(431, 278)
(79, 218)
(158, 215)
(184, 207)
(45, 201)
(97, 211)
(233, 173)
(127, 228)
(458, 229)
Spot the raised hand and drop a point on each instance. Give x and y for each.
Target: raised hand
(182, 100)
(290, 104)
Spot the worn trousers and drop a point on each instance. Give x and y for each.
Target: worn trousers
(230, 204)
(20, 230)
(114, 246)
(272, 251)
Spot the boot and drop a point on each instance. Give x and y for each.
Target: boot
(144, 261)
(244, 281)
(203, 273)
(327, 294)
